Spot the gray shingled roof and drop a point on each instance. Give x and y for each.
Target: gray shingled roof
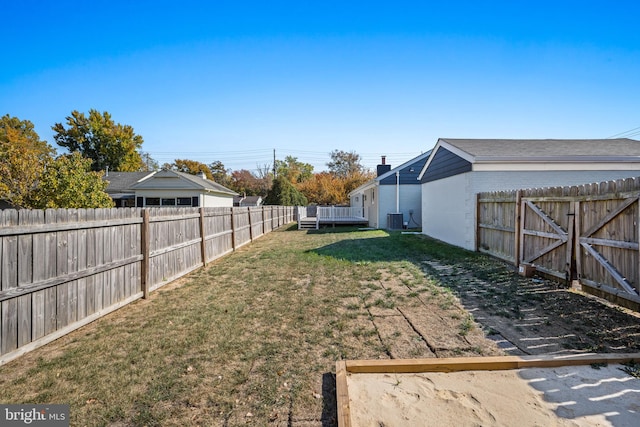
(177, 182)
(205, 183)
(489, 149)
(121, 182)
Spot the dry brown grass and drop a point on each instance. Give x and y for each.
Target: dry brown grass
(253, 338)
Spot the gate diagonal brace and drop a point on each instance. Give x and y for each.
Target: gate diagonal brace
(621, 280)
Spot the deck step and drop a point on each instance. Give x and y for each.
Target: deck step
(307, 224)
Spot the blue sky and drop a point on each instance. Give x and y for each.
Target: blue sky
(234, 80)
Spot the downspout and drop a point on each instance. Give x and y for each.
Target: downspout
(397, 191)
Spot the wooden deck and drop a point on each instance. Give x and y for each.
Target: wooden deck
(332, 215)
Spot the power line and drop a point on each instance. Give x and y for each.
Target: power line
(626, 134)
(234, 158)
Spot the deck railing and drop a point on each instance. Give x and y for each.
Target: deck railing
(340, 212)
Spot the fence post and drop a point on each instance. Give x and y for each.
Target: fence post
(264, 226)
(250, 225)
(478, 216)
(203, 235)
(145, 243)
(517, 222)
(233, 230)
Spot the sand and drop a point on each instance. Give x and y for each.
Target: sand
(565, 396)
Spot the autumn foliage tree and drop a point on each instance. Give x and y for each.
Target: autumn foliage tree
(294, 170)
(244, 182)
(324, 188)
(31, 177)
(345, 174)
(69, 182)
(192, 167)
(22, 159)
(97, 137)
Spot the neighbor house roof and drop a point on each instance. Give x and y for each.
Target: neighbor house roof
(247, 200)
(121, 182)
(174, 180)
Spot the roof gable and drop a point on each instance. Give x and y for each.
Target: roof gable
(407, 172)
(443, 164)
(122, 181)
(174, 180)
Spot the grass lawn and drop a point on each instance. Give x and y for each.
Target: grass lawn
(253, 338)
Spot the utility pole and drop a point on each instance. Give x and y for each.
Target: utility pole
(274, 163)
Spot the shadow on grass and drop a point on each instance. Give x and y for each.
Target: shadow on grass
(329, 401)
(384, 246)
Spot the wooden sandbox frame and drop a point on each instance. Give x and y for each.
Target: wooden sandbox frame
(408, 366)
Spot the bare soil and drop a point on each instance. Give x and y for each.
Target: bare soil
(536, 315)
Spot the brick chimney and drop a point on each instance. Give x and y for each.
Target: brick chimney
(383, 167)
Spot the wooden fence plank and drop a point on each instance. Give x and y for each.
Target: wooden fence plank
(40, 261)
(81, 302)
(51, 259)
(8, 280)
(25, 277)
(72, 267)
(145, 240)
(61, 267)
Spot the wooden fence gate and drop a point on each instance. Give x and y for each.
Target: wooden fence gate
(546, 236)
(587, 233)
(606, 246)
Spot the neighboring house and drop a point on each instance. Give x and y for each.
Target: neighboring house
(166, 188)
(458, 169)
(394, 191)
(120, 184)
(172, 188)
(244, 200)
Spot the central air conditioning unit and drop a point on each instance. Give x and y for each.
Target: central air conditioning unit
(394, 221)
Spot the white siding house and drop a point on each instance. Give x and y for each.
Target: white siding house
(172, 188)
(393, 191)
(458, 169)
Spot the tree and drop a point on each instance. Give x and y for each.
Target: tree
(192, 167)
(220, 174)
(97, 137)
(345, 164)
(294, 170)
(243, 181)
(69, 182)
(284, 193)
(325, 188)
(22, 159)
(149, 163)
(356, 180)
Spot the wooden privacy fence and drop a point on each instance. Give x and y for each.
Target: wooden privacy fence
(63, 268)
(587, 233)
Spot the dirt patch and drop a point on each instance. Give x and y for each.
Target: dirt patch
(536, 315)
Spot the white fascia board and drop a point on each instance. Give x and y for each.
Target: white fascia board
(402, 166)
(444, 144)
(213, 192)
(431, 156)
(552, 166)
(458, 152)
(367, 185)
